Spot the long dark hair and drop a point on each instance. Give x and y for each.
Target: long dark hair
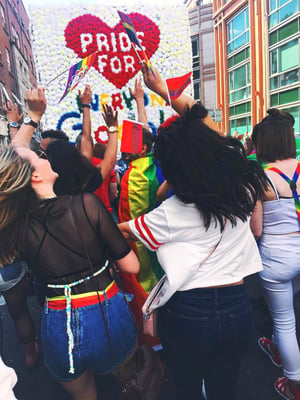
(76, 173)
(209, 170)
(17, 203)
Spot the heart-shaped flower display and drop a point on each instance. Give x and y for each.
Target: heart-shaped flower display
(116, 60)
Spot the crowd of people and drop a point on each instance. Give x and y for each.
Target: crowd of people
(184, 202)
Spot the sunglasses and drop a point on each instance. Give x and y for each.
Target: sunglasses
(41, 154)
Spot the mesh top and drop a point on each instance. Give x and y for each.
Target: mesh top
(53, 247)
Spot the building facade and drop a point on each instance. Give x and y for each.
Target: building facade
(203, 49)
(17, 70)
(257, 60)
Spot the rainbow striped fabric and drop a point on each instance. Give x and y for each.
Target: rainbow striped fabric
(77, 72)
(291, 182)
(138, 196)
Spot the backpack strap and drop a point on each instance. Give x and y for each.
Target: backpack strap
(291, 182)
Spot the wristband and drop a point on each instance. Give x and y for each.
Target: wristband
(85, 105)
(112, 129)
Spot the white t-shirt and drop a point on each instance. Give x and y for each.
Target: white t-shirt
(176, 231)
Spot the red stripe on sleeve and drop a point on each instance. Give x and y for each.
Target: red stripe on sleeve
(148, 231)
(142, 234)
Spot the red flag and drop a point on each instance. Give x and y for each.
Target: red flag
(177, 85)
(132, 137)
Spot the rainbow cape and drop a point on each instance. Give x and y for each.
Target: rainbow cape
(138, 196)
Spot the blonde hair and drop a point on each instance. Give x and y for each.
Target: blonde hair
(16, 194)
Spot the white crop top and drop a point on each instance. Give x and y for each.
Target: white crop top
(280, 215)
(176, 231)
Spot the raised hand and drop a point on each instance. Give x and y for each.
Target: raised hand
(110, 116)
(154, 83)
(86, 96)
(12, 112)
(37, 103)
(137, 92)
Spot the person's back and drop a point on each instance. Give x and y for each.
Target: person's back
(277, 223)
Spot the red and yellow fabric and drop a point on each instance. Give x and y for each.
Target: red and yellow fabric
(138, 196)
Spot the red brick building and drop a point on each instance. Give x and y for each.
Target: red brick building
(17, 70)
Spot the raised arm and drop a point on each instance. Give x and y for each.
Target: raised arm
(157, 85)
(13, 118)
(37, 104)
(138, 94)
(111, 119)
(86, 147)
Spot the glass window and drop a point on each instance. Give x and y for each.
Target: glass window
(25, 53)
(242, 125)
(2, 14)
(197, 95)
(16, 36)
(288, 10)
(273, 61)
(238, 31)
(281, 10)
(273, 5)
(288, 55)
(288, 30)
(8, 59)
(295, 111)
(195, 47)
(289, 96)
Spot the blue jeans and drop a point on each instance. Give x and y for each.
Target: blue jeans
(91, 346)
(205, 333)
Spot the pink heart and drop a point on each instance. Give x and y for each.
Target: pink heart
(116, 61)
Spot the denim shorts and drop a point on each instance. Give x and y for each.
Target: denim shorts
(91, 347)
(11, 274)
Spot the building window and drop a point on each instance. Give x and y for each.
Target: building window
(8, 60)
(239, 83)
(242, 125)
(2, 11)
(284, 32)
(238, 31)
(16, 36)
(295, 111)
(288, 96)
(25, 54)
(284, 65)
(279, 10)
(196, 68)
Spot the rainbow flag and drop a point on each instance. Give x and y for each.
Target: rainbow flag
(77, 72)
(177, 85)
(138, 196)
(132, 137)
(130, 30)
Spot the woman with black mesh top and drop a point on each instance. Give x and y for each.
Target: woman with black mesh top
(86, 327)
